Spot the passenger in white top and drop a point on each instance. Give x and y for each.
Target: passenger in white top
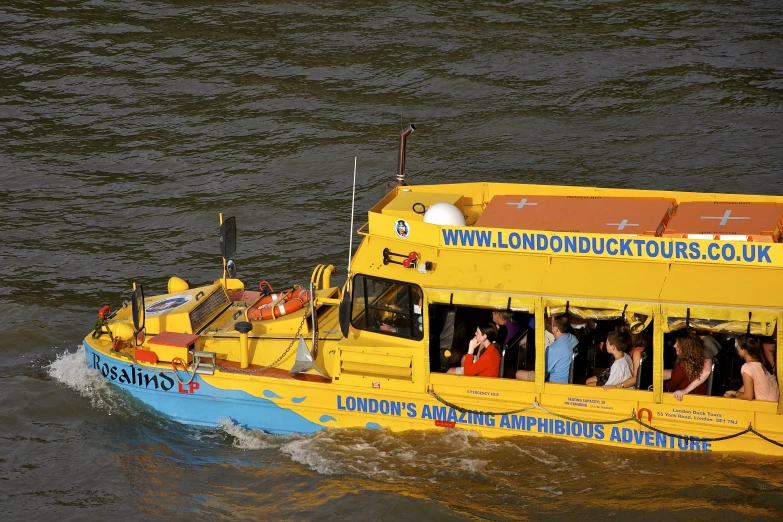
(617, 343)
(622, 367)
(758, 382)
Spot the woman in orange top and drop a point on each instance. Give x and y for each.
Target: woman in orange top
(486, 360)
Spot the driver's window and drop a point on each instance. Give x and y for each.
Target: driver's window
(387, 307)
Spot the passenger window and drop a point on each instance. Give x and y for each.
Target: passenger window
(721, 363)
(452, 327)
(630, 350)
(387, 307)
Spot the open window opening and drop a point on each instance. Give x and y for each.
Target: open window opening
(614, 345)
(693, 342)
(453, 326)
(617, 356)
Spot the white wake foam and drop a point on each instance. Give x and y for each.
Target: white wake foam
(389, 456)
(70, 368)
(317, 452)
(248, 439)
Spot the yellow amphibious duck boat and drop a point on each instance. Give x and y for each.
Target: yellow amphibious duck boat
(433, 262)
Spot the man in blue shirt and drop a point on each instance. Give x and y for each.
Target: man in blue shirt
(558, 354)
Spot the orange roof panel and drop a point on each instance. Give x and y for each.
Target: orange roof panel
(589, 214)
(762, 221)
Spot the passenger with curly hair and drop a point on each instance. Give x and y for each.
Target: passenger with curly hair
(689, 363)
(758, 382)
(711, 349)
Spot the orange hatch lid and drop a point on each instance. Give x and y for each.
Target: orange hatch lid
(756, 221)
(589, 214)
(174, 339)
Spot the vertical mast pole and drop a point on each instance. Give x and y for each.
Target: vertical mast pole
(224, 259)
(350, 241)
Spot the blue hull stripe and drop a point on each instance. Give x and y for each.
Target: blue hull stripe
(205, 406)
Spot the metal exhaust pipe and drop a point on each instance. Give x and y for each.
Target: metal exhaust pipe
(400, 179)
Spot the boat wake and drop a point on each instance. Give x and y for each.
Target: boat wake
(70, 369)
(247, 439)
(358, 452)
(525, 471)
(395, 457)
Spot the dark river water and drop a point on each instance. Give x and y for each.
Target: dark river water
(127, 126)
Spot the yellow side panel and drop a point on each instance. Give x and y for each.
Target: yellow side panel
(374, 369)
(769, 422)
(478, 298)
(602, 279)
(495, 277)
(715, 285)
(361, 364)
(592, 402)
(396, 361)
(507, 395)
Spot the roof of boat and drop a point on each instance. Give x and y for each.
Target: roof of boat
(596, 243)
(552, 208)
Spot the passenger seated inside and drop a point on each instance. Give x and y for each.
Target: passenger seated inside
(486, 361)
(558, 354)
(387, 307)
(602, 348)
(769, 351)
(507, 328)
(595, 354)
(758, 381)
(710, 349)
(711, 345)
(642, 344)
(509, 334)
(617, 344)
(689, 363)
(390, 321)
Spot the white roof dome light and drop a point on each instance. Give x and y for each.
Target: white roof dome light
(444, 214)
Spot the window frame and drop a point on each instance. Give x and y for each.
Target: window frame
(413, 333)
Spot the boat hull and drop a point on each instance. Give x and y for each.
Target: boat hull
(198, 402)
(286, 406)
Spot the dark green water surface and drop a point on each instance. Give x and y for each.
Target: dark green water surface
(126, 126)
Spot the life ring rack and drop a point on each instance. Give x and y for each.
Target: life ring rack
(278, 304)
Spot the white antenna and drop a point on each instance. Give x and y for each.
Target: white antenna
(353, 199)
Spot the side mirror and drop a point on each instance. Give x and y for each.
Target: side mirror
(228, 237)
(231, 268)
(137, 306)
(345, 314)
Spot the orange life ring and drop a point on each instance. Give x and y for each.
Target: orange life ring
(288, 302)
